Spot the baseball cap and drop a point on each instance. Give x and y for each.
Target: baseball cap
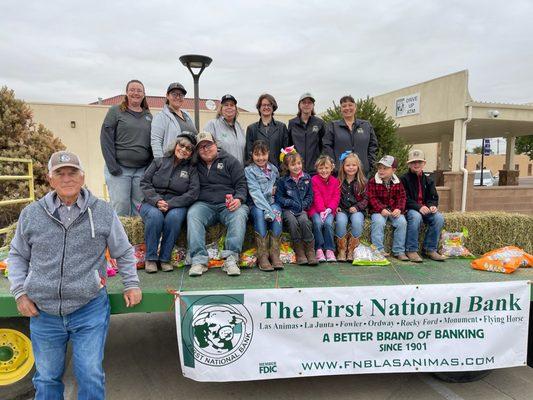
(204, 137)
(176, 85)
(188, 135)
(228, 97)
(416, 155)
(307, 95)
(62, 159)
(388, 161)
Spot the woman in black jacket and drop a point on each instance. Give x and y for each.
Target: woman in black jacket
(271, 131)
(170, 185)
(351, 134)
(306, 132)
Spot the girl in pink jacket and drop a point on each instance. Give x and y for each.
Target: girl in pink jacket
(326, 198)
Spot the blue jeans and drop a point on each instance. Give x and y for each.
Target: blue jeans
(86, 328)
(434, 222)
(377, 232)
(125, 190)
(261, 226)
(323, 232)
(156, 223)
(202, 215)
(357, 219)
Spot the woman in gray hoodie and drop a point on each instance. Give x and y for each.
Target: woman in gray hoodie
(171, 122)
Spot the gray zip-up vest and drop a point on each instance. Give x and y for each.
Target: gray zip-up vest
(67, 265)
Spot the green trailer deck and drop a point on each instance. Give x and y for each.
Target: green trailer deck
(16, 358)
(158, 288)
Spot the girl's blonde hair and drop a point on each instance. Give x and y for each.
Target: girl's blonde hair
(359, 175)
(322, 160)
(289, 159)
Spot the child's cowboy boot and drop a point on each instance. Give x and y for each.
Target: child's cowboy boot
(298, 246)
(342, 243)
(309, 248)
(262, 253)
(274, 251)
(353, 242)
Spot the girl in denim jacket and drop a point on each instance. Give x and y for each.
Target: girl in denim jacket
(295, 195)
(261, 177)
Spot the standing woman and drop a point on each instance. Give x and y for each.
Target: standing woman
(271, 131)
(306, 132)
(171, 122)
(170, 186)
(226, 130)
(351, 134)
(125, 142)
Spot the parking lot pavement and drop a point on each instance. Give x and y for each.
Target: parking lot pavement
(142, 363)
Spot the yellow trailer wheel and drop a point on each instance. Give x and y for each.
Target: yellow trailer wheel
(16, 356)
(17, 364)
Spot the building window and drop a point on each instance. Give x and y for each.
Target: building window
(516, 167)
(529, 168)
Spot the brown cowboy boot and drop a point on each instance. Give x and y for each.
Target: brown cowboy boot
(342, 243)
(262, 253)
(298, 247)
(274, 251)
(353, 242)
(309, 248)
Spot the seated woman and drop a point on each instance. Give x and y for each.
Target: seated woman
(170, 185)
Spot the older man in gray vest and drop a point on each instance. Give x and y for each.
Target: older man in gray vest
(57, 271)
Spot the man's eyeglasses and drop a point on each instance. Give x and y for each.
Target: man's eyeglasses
(205, 146)
(177, 95)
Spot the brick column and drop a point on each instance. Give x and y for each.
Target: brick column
(454, 180)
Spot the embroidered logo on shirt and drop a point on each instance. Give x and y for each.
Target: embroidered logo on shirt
(360, 130)
(220, 165)
(184, 174)
(148, 118)
(315, 128)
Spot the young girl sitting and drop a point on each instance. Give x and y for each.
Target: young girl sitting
(326, 194)
(295, 195)
(352, 207)
(261, 177)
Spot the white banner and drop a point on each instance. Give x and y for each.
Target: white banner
(408, 105)
(281, 333)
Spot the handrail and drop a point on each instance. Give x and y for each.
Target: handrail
(28, 177)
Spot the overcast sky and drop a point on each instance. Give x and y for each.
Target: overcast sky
(75, 52)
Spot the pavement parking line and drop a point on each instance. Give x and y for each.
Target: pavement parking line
(438, 387)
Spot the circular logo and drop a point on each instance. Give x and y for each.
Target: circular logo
(211, 105)
(220, 332)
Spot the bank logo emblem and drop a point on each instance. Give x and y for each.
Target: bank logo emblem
(219, 333)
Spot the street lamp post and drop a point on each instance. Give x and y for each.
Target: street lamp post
(200, 63)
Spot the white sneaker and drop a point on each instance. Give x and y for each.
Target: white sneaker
(197, 270)
(230, 267)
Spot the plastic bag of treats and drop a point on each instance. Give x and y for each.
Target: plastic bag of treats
(368, 255)
(248, 258)
(505, 260)
(139, 254)
(179, 256)
(286, 252)
(452, 244)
